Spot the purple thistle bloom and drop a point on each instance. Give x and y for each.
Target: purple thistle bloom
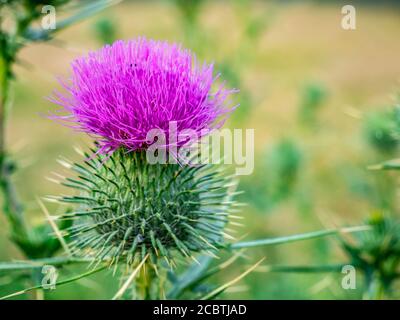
(120, 92)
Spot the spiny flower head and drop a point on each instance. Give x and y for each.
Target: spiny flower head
(128, 208)
(122, 91)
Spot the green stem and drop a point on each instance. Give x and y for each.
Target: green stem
(36, 277)
(10, 45)
(4, 82)
(305, 269)
(375, 289)
(11, 204)
(296, 237)
(56, 284)
(39, 263)
(145, 281)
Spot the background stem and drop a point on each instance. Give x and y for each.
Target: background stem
(13, 209)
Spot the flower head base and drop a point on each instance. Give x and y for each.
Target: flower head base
(120, 92)
(129, 208)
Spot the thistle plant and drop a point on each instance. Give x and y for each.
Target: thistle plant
(159, 225)
(377, 255)
(127, 208)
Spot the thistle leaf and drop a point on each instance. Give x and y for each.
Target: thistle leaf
(193, 273)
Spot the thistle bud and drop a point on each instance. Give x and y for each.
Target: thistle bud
(128, 208)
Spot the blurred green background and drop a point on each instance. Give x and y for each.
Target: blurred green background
(315, 94)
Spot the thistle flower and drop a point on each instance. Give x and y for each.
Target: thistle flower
(127, 208)
(122, 91)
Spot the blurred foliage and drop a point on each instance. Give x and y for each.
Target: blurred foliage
(41, 242)
(282, 168)
(278, 174)
(105, 30)
(377, 254)
(313, 97)
(189, 10)
(382, 129)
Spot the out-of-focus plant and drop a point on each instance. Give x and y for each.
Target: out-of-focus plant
(105, 30)
(234, 65)
(378, 189)
(18, 28)
(282, 169)
(377, 255)
(313, 97)
(252, 24)
(382, 129)
(189, 10)
(279, 173)
(232, 73)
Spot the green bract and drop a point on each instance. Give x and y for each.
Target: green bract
(128, 208)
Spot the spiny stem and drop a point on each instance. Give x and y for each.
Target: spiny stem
(296, 237)
(39, 263)
(302, 269)
(145, 281)
(12, 206)
(128, 282)
(11, 43)
(56, 284)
